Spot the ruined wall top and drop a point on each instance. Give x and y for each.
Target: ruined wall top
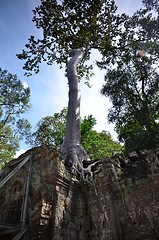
(122, 203)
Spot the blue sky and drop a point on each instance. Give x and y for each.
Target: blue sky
(49, 89)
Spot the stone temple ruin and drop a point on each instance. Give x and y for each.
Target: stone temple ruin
(40, 199)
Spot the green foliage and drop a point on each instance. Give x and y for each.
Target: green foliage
(8, 145)
(138, 137)
(97, 145)
(100, 145)
(51, 131)
(133, 83)
(68, 25)
(87, 125)
(14, 101)
(151, 4)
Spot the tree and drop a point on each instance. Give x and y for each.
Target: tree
(97, 145)
(14, 101)
(80, 26)
(133, 83)
(100, 145)
(151, 4)
(8, 145)
(68, 25)
(51, 130)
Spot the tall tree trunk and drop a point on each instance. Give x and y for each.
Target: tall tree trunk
(73, 133)
(72, 150)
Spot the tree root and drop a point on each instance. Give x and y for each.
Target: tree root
(78, 162)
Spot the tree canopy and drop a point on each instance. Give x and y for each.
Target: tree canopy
(133, 83)
(14, 101)
(70, 25)
(151, 4)
(49, 130)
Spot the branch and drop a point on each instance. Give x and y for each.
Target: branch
(6, 137)
(66, 22)
(3, 122)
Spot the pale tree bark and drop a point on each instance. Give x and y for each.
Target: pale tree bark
(72, 150)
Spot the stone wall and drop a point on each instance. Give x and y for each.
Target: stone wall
(122, 204)
(125, 208)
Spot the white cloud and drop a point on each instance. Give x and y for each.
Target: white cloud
(19, 153)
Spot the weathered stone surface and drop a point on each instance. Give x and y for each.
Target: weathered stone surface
(123, 203)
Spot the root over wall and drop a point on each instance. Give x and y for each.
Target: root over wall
(122, 205)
